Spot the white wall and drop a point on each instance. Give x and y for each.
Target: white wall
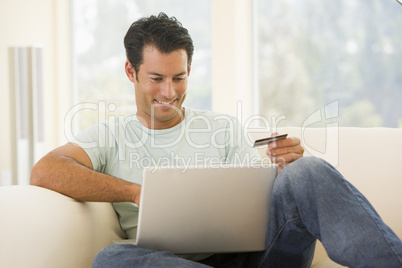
(26, 23)
(232, 58)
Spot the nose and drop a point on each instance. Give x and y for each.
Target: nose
(167, 90)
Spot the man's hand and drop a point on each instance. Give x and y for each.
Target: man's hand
(284, 152)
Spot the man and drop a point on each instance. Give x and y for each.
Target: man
(310, 199)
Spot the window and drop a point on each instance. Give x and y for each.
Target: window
(99, 28)
(312, 54)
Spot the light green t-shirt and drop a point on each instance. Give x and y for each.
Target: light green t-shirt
(124, 147)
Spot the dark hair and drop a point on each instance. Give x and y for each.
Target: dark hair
(166, 34)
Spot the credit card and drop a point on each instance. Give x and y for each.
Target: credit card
(268, 140)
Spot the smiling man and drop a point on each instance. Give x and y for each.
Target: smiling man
(160, 87)
(311, 200)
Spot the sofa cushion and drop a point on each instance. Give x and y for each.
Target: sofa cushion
(40, 228)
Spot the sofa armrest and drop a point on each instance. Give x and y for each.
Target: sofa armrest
(42, 228)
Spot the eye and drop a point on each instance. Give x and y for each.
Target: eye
(156, 79)
(178, 79)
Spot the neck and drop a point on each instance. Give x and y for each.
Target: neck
(152, 123)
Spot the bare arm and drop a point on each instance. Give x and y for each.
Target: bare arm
(68, 170)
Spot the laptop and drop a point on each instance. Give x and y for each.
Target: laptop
(205, 210)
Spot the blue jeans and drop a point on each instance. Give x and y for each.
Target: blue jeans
(311, 200)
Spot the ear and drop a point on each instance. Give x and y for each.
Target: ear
(188, 70)
(130, 72)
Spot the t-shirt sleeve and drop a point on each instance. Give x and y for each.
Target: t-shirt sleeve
(99, 144)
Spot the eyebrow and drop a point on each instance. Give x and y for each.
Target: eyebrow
(157, 74)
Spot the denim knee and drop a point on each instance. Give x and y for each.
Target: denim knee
(310, 168)
(106, 257)
(306, 163)
(307, 173)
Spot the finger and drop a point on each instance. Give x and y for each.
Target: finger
(286, 159)
(285, 150)
(273, 143)
(290, 141)
(285, 146)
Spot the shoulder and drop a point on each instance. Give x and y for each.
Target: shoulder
(121, 122)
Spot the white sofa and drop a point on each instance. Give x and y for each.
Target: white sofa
(41, 228)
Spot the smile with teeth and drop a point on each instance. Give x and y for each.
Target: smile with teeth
(165, 103)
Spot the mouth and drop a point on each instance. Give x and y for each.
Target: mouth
(165, 103)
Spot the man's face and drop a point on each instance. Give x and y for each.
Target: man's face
(160, 87)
